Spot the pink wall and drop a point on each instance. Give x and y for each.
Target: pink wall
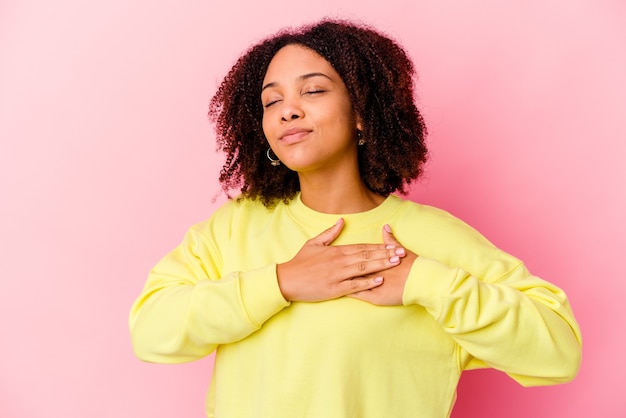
(107, 156)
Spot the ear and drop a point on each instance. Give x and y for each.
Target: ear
(359, 122)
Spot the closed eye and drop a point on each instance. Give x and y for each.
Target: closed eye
(315, 91)
(268, 104)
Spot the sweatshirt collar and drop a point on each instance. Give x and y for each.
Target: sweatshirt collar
(318, 220)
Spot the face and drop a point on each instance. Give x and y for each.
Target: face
(308, 118)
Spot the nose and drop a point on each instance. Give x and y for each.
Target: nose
(291, 110)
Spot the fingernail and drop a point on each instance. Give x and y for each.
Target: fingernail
(387, 228)
(378, 279)
(399, 251)
(394, 259)
(390, 247)
(338, 221)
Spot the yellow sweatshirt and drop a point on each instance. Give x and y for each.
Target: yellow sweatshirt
(466, 304)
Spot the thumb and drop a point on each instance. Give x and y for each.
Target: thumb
(329, 235)
(389, 238)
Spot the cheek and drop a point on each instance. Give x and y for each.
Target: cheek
(264, 126)
(346, 120)
(347, 112)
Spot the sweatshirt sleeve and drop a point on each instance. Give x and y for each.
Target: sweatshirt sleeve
(508, 319)
(187, 307)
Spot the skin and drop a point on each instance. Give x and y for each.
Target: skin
(310, 125)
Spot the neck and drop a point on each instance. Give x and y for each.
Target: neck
(337, 195)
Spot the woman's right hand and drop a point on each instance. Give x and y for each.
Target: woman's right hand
(321, 272)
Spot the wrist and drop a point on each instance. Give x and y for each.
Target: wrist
(282, 285)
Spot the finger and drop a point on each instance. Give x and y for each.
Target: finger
(357, 285)
(366, 249)
(367, 252)
(369, 266)
(329, 235)
(388, 237)
(364, 295)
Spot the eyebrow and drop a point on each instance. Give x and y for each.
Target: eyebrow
(300, 78)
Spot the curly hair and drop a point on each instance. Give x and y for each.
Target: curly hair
(378, 76)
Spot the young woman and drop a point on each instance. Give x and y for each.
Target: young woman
(324, 294)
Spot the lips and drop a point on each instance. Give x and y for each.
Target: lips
(293, 135)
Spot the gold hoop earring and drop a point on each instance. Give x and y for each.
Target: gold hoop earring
(273, 161)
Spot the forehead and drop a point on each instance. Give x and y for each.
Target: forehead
(293, 61)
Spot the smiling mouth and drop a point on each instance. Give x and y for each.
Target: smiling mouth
(295, 136)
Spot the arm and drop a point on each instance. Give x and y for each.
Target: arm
(500, 315)
(186, 309)
(517, 323)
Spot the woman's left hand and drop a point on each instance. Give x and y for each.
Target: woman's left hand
(391, 291)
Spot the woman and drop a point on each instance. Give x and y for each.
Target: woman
(324, 294)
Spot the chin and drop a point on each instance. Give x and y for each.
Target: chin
(299, 165)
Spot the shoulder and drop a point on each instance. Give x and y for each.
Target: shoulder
(442, 234)
(234, 212)
(436, 234)
(429, 217)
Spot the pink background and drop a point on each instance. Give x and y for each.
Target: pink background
(107, 157)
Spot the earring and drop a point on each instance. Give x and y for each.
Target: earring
(273, 161)
(359, 137)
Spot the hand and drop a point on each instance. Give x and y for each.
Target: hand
(321, 272)
(390, 292)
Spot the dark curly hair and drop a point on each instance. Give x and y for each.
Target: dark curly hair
(378, 76)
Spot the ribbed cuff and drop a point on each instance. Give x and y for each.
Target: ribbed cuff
(428, 284)
(260, 294)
